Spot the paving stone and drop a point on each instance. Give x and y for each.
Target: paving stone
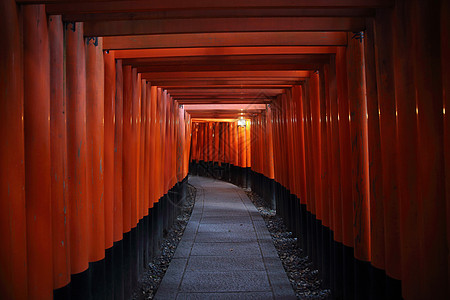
(223, 249)
(234, 281)
(229, 219)
(227, 227)
(225, 263)
(230, 237)
(226, 296)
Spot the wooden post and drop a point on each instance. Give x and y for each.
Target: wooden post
(76, 147)
(110, 109)
(431, 184)
(36, 64)
(388, 134)
(58, 140)
(375, 166)
(13, 278)
(95, 131)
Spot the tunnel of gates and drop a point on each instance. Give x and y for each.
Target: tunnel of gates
(355, 160)
(354, 155)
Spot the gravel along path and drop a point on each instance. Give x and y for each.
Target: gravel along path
(302, 274)
(152, 276)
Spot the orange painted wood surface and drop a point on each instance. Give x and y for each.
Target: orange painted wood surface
(36, 64)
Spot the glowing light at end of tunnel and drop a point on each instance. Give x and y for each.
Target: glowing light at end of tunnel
(443, 111)
(241, 122)
(417, 110)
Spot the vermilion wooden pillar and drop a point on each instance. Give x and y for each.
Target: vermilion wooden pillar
(216, 141)
(445, 48)
(226, 144)
(58, 142)
(375, 165)
(118, 217)
(141, 150)
(95, 133)
(431, 181)
(323, 173)
(241, 147)
(118, 154)
(306, 130)
(301, 142)
(387, 118)
(164, 142)
(136, 159)
(360, 161)
(194, 144)
(108, 174)
(327, 185)
(345, 144)
(110, 109)
(129, 186)
(135, 169)
(269, 130)
(335, 181)
(128, 149)
(248, 143)
(235, 143)
(95, 146)
(153, 170)
(407, 151)
(76, 147)
(37, 151)
(158, 145)
(147, 148)
(13, 277)
(315, 140)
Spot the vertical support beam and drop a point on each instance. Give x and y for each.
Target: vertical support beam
(128, 156)
(336, 180)
(37, 151)
(360, 161)
(153, 174)
(13, 277)
(346, 172)
(76, 156)
(109, 105)
(431, 185)
(118, 183)
(128, 146)
(407, 151)
(95, 134)
(388, 137)
(248, 143)
(118, 154)
(146, 149)
(134, 154)
(445, 61)
(110, 110)
(269, 130)
(58, 140)
(375, 165)
(314, 95)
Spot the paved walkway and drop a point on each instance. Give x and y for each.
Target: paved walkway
(226, 251)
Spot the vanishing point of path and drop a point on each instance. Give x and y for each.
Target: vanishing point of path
(226, 251)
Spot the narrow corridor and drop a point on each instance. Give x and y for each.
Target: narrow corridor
(226, 251)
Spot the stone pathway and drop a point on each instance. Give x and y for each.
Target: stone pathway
(226, 251)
